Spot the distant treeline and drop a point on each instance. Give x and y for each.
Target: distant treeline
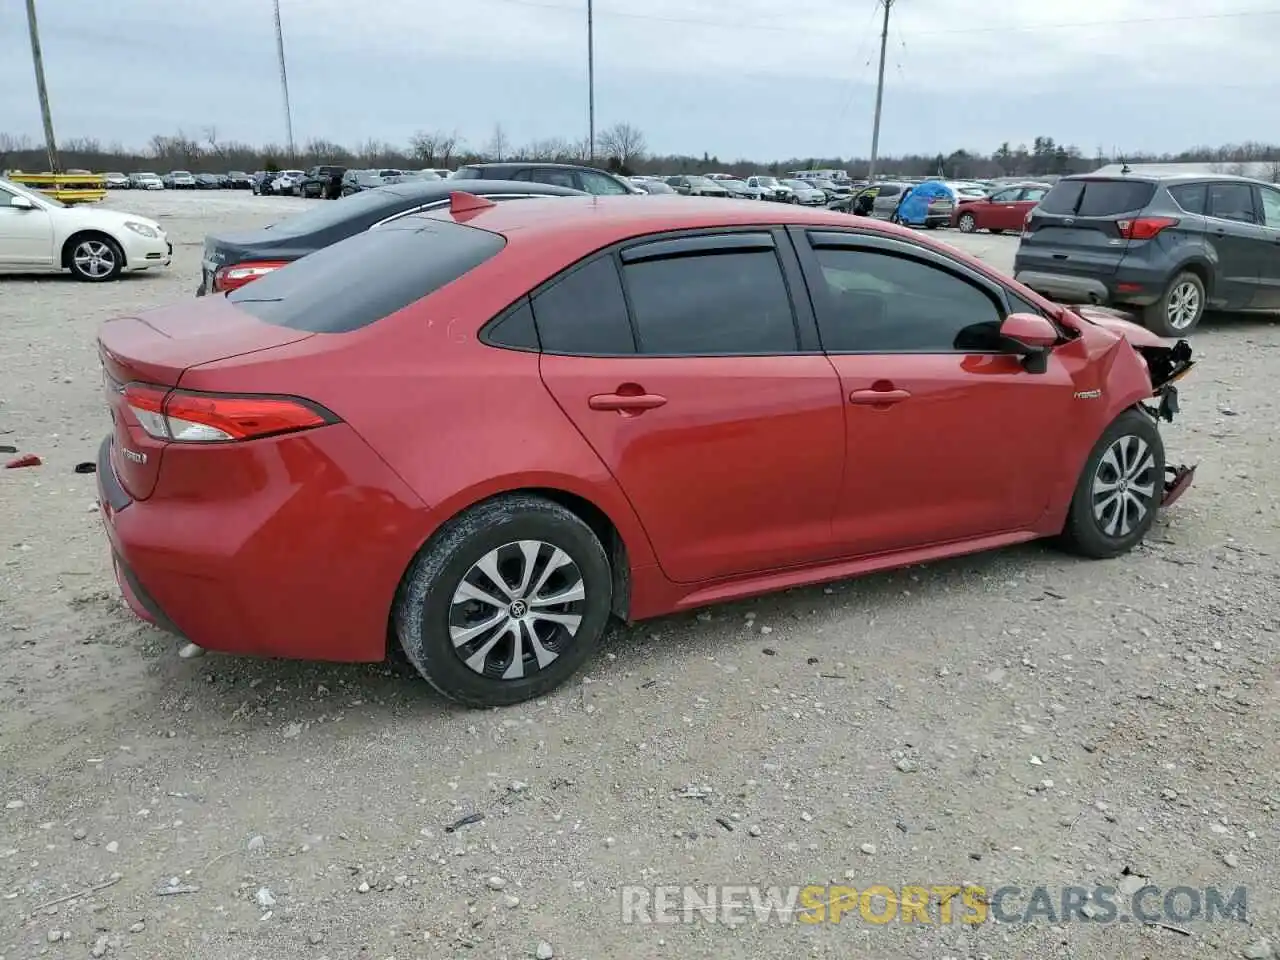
(621, 147)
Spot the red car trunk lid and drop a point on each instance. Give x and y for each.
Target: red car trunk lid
(157, 347)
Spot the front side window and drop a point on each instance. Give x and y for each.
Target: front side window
(712, 304)
(1232, 201)
(888, 303)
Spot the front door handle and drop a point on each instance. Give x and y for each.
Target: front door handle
(877, 397)
(626, 402)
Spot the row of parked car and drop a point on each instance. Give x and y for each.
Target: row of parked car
(1166, 247)
(305, 183)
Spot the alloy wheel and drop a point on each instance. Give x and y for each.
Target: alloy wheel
(968, 224)
(517, 609)
(95, 259)
(1183, 308)
(1124, 486)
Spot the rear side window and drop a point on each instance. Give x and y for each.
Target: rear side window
(557, 178)
(1097, 198)
(711, 305)
(1190, 197)
(585, 313)
(396, 266)
(890, 191)
(1232, 201)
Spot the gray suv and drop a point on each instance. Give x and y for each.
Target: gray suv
(1168, 245)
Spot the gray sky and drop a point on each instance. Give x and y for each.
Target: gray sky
(737, 78)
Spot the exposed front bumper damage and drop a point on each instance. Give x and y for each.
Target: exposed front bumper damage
(1176, 482)
(1167, 365)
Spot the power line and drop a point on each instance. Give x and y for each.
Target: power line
(731, 24)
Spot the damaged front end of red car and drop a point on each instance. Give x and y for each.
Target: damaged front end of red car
(1167, 364)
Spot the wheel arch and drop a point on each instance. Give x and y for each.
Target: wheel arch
(1200, 265)
(69, 245)
(610, 519)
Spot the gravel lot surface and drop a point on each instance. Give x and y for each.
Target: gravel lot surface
(1018, 717)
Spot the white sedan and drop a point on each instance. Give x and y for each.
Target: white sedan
(40, 234)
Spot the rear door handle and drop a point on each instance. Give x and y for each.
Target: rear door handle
(626, 402)
(878, 396)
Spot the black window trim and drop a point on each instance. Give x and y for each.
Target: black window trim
(698, 244)
(843, 238)
(486, 331)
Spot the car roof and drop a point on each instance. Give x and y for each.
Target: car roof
(590, 223)
(523, 164)
(1142, 177)
(427, 190)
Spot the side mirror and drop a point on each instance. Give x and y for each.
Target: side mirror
(1029, 330)
(21, 203)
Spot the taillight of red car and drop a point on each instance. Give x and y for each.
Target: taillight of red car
(181, 416)
(236, 275)
(1144, 228)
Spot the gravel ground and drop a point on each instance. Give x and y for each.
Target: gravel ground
(1016, 717)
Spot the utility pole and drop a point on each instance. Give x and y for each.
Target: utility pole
(37, 60)
(591, 84)
(875, 128)
(284, 83)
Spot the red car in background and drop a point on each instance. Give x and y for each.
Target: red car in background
(487, 430)
(1005, 209)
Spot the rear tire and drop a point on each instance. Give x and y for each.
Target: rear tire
(1118, 494)
(461, 628)
(1179, 310)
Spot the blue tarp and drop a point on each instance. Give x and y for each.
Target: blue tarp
(914, 208)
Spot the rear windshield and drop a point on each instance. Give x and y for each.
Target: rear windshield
(367, 277)
(1097, 198)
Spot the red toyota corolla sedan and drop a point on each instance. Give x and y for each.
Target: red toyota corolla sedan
(486, 430)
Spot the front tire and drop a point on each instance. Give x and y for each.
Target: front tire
(1179, 309)
(967, 223)
(1119, 491)
(94, 258)
(505, 602)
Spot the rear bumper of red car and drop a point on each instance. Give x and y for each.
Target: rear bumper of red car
(303, 569)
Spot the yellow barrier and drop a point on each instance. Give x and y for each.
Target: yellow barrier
(66, 187)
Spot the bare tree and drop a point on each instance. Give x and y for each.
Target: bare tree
(423, 146)
(319, 150)
(448, 144)
(552, 148)
(498, 145)
(1273, 170)
(622, 142)
(211, 138)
